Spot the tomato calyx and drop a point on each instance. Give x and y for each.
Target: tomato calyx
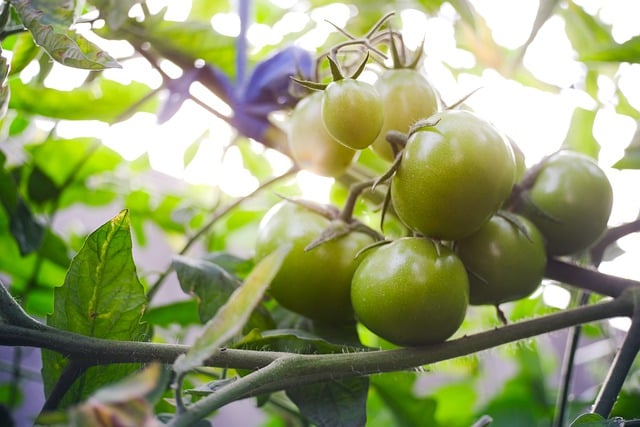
(338, 227)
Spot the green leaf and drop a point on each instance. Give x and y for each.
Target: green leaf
(465, 10)
(392, 401)
(231, 317)
(182, 313)
(114, 12)
(24, 227)
(590, 420)
(24, 51)
(580, 135)
(101, 297)
(103, 99)
(41, 187)
(333, 403)
(211, 285)
(631, 158)
(290, 340)
(584, 31)
(628, 51)
(4, 88)
(184, 42)
(49, 22)
(239, 267)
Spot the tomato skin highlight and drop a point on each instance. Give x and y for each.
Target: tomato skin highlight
(408, 97)
(312, 147)
(352, 112)
(570, 202)
(453, 177)
(411, 292)
(505, 264)
(314, 283)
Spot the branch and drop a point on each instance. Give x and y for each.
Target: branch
(619, 369)
(592, 280)
(294, 370)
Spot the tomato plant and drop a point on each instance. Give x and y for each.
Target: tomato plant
(409, 97)
(352, 112)
(570, 202)
(454, 175)
(314, 283)
(311, 145)
(411, 291)
(506, 260)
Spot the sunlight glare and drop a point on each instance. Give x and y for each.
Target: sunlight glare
(315, 187)
(555, 296)
(510, 21)
(550, 56)
(227, 24)
(238, 181)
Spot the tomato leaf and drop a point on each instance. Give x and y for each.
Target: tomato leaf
(392, 401)
(628, 51)
(232, 316)
(595, 420)
(104, 100)
(580, 135)
(49, 22)
(333, 403)
(114, 12)
(290, 340)
(182, 313)
(101, 297)
(631, 158)
(25, 229)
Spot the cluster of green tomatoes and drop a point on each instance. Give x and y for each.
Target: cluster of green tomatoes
(480, 226)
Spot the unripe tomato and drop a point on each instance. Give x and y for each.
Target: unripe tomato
(316, 283)
(505, 263)
(352, 112)
(411, 291)
(311, 145)
(453, 177)
(570, 202)
(407, 97)
(518, 155)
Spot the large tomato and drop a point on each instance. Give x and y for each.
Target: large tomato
(411, 291)
(453, 177)
(314, 283)
(352, 112)
(311, 145)
(506, 260)
(570, 202)
(407, 97)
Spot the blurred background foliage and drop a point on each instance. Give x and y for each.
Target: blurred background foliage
(184, 128)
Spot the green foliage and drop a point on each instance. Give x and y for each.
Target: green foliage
(82, 279)
(335, 403)
(229, 320)
(48, 22)
(101, 297)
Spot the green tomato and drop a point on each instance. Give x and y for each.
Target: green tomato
(352, 112)
(411, 292)
(518, 155)
(505, 262)
(408, 97)
(453, 177)
(311, 146)
(315, 283)
(570, 202)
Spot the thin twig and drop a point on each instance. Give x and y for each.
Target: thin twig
(566, 372)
